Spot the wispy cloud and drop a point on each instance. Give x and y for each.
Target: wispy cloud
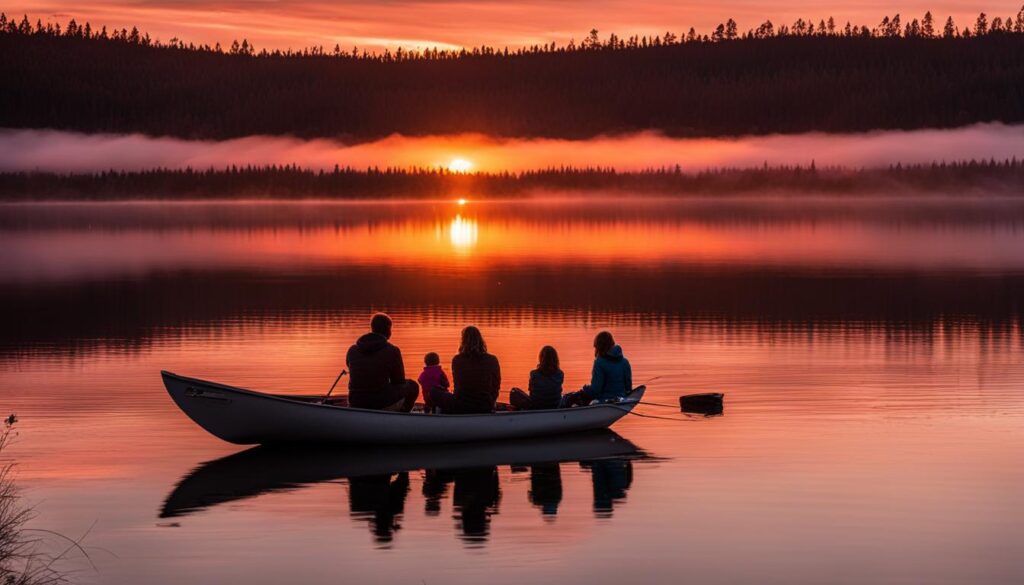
(65, 151)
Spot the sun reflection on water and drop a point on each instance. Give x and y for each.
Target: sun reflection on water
(463, 232)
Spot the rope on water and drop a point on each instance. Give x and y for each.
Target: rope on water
(630, 411)
(645, 403)
(656, 416)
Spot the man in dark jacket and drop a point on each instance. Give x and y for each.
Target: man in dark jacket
(376, 371)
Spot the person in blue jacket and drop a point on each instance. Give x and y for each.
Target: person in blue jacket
(610, 379)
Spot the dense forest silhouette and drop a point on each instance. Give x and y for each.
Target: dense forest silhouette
(292, 181)
(899, 74)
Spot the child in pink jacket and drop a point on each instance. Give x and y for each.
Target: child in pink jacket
(432, 376)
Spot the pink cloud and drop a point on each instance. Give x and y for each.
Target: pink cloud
(66, 151)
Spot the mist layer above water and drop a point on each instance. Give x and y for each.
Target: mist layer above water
(48, 150)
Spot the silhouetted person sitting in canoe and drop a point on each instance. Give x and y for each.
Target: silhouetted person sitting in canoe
(545, 384)
(610, 379)
(432, 375)
(376, 371)
(476, 376)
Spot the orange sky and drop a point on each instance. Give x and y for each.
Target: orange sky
(446, 23)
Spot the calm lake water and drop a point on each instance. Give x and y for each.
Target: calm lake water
(871, 351)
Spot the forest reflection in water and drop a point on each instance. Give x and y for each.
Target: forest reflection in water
(891, 261)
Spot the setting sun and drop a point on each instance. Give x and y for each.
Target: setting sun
(460, 165)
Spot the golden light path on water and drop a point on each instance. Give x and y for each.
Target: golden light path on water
(469, 235)
(463, 233)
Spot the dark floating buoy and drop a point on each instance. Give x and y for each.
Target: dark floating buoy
(707, 404)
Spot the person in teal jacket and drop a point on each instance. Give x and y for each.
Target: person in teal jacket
(610, 379)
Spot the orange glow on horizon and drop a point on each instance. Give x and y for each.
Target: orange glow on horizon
(460, 165)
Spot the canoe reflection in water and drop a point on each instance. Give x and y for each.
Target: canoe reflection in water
(380, 500)
(379, 480)
(475, 498)
(612, 477)
(546, 487)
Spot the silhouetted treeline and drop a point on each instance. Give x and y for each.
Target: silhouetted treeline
(894, 27)
(291, 181)
(802, 77)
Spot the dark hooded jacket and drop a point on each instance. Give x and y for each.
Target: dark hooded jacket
(612, 376)
(546, 389)
(477, 380)
(373, 363)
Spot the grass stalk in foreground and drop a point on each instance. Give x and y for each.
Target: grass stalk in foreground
(24, 559)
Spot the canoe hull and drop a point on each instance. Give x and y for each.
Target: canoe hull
(246, 417)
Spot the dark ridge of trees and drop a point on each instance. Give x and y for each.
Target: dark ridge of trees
(925, 28)
(293, 182)
(900, 74)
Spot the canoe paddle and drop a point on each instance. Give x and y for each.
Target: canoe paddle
(336, 380)
(655, 403)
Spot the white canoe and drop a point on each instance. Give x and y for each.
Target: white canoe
(247, 417)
